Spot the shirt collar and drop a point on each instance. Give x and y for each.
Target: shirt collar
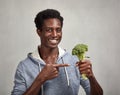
(36, 55)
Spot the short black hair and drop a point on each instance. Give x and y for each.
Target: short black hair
(46, 14)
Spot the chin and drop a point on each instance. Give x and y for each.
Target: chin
(53, 46)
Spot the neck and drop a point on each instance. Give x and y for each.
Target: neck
(47, 52)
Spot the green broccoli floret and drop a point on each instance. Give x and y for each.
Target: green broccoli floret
(79, 50)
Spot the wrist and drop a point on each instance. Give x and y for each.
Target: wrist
(41, 79)
(91, 76)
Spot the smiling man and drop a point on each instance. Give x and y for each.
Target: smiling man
(50, 70)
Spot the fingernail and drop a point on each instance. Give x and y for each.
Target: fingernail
(67, 64)
(82, 60)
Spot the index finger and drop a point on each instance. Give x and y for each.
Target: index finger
(61, 65)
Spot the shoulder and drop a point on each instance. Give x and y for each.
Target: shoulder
(28, 62)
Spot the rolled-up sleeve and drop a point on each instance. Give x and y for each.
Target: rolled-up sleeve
(86, 85)
(19, 82)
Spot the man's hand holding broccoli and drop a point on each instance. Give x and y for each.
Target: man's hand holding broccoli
(85, 68)
(84, 65)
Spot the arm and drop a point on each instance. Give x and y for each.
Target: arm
(47, 73)
(50, 71)
(85, 67)
(34, 89)
(95, 87)
(20, 85)
(19, 82)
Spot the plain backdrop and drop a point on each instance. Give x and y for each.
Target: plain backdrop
(92, 22)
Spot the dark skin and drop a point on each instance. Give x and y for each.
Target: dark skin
(85, 67)
(51, 35)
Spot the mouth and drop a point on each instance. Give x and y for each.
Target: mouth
(53, 41)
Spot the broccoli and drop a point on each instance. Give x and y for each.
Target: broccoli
(79, 50)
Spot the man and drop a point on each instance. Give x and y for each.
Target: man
(51, 70)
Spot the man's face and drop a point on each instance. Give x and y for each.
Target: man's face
(51, 33)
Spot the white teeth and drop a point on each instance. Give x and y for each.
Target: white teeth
(53, 41)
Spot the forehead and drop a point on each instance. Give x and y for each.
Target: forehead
(52, 22)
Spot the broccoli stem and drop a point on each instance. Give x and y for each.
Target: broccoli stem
(81, 57)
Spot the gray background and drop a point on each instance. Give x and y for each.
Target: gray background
(93, 22)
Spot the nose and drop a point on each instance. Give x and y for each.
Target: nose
(54, 33)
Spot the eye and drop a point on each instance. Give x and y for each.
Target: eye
(48, 29)
(58, 30)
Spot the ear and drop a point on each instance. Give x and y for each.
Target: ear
(38, 32)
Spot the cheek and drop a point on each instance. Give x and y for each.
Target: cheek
(60, 37)
(60, 34)
(47, 35)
